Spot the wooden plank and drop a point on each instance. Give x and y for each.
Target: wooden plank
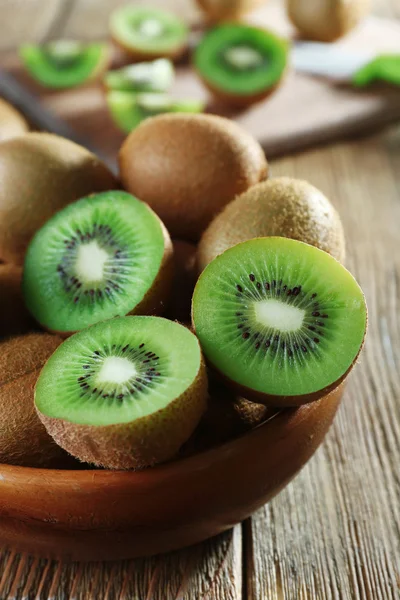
(335, 532)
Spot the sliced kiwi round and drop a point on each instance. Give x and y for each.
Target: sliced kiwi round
(103, 256)
(125, 393)
(65, 63)
(155, 76)
(284, 207)
(282, 321)
(241, 64)
(148, 33)
(128, 109)
(12, 123)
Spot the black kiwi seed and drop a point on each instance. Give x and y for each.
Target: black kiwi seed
(252, 277)
(239, 288)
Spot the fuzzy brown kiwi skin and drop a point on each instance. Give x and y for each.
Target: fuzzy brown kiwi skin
(24, 441)
(283, 207)
(188, 167)
(231, 9)
(156, 299)
(40, 174)
(337, 18)
(137, 55)
(12, 123)
(15, 318)
(125, 446)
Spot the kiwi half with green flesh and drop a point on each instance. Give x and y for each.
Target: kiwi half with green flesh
(188, 167)
(326, 20)
(14, 316)
(147, 33)
(282, 321)
(65, 63)
(155, 76)
(41, 173)
(129, 109)
(241, 64)
(23, 439)
(104, 256)
(222, 10)
(283, 207)
(125, 393)
(12, 123)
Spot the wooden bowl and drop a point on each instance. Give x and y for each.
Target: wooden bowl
(105, 515)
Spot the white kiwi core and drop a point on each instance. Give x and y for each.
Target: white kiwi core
(116, 370)
(90, 262)
(278, 315)
(243, 57)
(151, 28)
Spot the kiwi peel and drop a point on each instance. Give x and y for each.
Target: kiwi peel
(24, 441)
(65, 63)
(147, 33)
(222, 10)
(155, 76)
(283, 207)
(103, 256)
(282, 321)
(45, 172)
(166, 163)
(12, 123)
(129, 109)
(241, 64)
(15, 318)
(125, 393)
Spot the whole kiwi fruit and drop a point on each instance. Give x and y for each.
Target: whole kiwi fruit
(12, 123)
(222, 10)
(188, 167)
(326, 20)
(283, 207)
(14, 316)
(23, 439)
(40, 173)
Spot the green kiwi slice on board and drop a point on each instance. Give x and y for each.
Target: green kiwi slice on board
(103, 256)
(125, 393)
(65, 63)
(241, 64)
(128, 109)
(155, 76)
(282, 321)
(147, 33)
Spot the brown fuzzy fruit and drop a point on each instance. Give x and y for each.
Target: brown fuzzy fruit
(23, 439)
(188, 167)
(283, 207)
(185, 276)
(326, 20)
(40, 173)
(12, 123)
(221, 10)
(14, 316)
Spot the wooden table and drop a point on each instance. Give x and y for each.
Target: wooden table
(334, 533)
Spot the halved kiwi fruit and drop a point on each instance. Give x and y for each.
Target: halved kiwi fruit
(14, 316)
(125, 393)
(65, 63)
(147, 33)
(282, 321)
(241, 64)
(155, 76)
(326, 20)
(41, 173)
(23, 439)
(188, 167)
(129, 109)
(105, 255)
(283, 207)
(12, 123)
(221, 10)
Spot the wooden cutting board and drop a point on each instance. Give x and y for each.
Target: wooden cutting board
(304, 111)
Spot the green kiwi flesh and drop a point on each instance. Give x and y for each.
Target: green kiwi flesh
(103, 256)
(129, 109)
(64, 63)
(125, 393)
(282, 206)
(148, 32)
(155, 76)
(282, 321)
(241, 60)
